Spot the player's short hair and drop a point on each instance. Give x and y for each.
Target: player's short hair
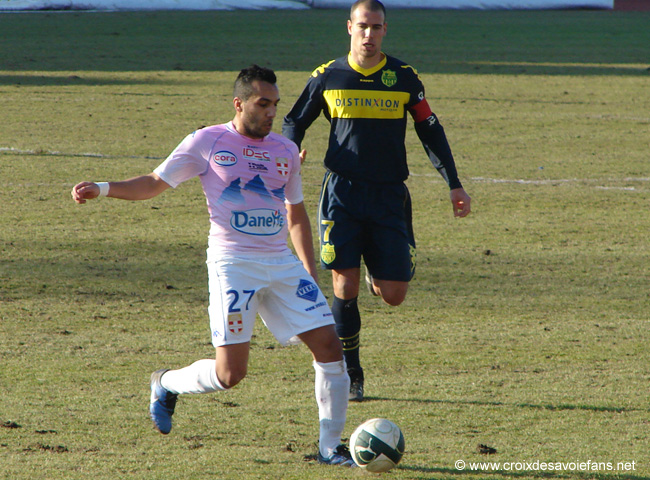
(244, 83)
(372, 5)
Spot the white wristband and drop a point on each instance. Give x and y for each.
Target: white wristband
(103, 188)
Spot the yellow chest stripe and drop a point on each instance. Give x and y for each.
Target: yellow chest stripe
(366, 103)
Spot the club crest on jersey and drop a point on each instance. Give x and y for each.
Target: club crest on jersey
(283, 166)
(235, 323)
(388, 78)
(225, 158)
(307, 290)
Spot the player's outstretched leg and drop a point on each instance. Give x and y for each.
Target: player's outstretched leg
(331, 387)
(162, 405)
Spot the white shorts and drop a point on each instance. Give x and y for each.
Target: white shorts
(278, 288)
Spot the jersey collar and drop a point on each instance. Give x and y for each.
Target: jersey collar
(366, 72)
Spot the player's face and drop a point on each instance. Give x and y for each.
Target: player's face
(257, 113)
(367, 30)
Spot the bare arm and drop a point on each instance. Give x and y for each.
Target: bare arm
(301, 237)
(461, 202)
(137, 188)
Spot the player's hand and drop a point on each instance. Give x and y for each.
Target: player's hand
(84, 191)
(303, 156)
(461, 202)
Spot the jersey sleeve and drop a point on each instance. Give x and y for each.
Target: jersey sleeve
(306, 109)
(293, 190)
(433, 138)
(189, 159)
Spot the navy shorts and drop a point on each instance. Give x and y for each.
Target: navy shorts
(374, 221)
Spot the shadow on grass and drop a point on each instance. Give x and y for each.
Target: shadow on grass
(57, 80)
(439, 41)
(533, 406)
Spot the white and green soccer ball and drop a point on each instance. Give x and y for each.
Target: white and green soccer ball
(377, 445)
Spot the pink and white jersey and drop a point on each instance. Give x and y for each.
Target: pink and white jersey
(246, 184)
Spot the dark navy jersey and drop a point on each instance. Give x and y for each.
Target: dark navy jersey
(367, 109)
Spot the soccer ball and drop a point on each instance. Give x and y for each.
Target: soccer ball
(377, 445)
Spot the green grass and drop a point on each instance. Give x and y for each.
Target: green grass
(526, 328)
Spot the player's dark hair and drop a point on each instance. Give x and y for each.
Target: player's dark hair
(372, 5)
(244, 83)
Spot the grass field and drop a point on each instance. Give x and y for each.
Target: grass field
(527, 325)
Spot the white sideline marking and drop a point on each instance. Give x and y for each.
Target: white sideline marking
(54, 153)
(557, 181)
(435, 175)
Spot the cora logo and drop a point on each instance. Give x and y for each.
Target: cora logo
(225, 158)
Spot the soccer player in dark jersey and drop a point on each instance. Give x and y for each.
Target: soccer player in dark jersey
(365, 207)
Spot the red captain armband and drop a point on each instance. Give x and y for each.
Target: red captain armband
(421, 111)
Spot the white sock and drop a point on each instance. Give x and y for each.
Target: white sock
(200, 377)
(332, 389)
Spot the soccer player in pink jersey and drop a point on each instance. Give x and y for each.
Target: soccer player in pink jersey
(251, 180)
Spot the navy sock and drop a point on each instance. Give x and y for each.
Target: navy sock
(348, 326)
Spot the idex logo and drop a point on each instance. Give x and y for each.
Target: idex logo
(256, 154)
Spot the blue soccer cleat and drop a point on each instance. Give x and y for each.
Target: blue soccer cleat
(340, 457)
(162, 404)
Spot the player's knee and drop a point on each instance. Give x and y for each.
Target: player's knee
(393, 297)
(231, 376)
(333, 347)
(345, 283)
(393, 300)
(324, 344)
(391, 292)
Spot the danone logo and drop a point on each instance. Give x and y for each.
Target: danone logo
(258, 221)
(388, 78)
(225, 158)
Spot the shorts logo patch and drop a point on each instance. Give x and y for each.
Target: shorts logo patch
(283, 166)
(307, 290)
(235, 323)
(327, 253)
